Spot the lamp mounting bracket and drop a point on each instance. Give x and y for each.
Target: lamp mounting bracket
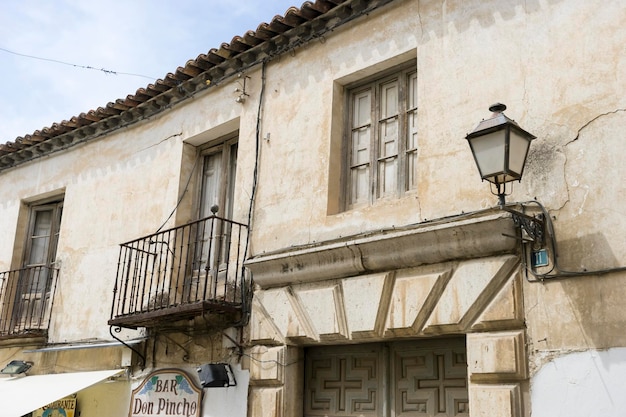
(532, 226)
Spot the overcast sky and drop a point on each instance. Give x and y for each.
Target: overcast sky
(148, 38)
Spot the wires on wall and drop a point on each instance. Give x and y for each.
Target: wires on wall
(180, 198)
(556, 271)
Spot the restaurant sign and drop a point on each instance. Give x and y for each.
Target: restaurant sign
(65, 407)
(165, 393)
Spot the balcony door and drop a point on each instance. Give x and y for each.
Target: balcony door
(213, 237)
(35, 278)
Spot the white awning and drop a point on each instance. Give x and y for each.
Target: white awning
(21, 395)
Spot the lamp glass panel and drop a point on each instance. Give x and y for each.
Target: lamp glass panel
(489, 153)
(518, 148)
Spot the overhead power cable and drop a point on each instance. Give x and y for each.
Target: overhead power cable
(106, 71)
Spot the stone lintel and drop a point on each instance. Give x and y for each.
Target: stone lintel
(474, 235)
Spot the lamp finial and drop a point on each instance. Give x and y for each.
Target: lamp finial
(497, 108)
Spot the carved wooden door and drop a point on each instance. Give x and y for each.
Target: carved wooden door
(417, 378)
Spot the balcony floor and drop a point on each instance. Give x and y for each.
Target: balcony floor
(172, 314)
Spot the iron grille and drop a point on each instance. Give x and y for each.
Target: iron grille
(182, 271)
(26, 298)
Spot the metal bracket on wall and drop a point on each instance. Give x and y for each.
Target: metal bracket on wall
(118, 329)
(532, 228)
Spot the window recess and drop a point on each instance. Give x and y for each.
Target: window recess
(382, 138)
(26, 294)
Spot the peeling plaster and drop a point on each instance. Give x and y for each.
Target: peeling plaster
(581, 384)
(584, 197)
(548, 163)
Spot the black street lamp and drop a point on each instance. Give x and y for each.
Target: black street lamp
(500, 147)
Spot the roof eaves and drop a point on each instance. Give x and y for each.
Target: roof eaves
(297, 27)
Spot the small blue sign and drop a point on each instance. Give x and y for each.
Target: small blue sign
(539, 258)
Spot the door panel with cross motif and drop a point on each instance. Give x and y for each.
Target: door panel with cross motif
(404, 379)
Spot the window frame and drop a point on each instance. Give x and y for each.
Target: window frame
(225, 196)
(56, 207)
(405, 77)
(228, 170)
(34, 284)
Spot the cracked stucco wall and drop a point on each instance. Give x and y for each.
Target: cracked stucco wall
(589, 383)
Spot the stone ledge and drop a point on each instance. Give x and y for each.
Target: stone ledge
(465, 236)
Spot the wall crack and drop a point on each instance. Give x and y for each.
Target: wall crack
(163, 140)
(578, 132)
(593, 120)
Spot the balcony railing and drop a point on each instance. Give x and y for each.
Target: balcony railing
(26, 297)
(181, 273)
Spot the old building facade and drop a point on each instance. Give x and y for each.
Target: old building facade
(293, 224)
